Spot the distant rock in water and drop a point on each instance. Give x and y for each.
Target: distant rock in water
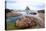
(8, 10)
(11, 13)
(41, 11)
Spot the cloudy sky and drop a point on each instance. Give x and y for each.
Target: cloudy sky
(21, 4)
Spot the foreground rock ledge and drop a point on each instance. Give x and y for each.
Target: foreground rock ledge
(28, 22)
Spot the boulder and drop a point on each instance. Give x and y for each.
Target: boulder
(25, 22)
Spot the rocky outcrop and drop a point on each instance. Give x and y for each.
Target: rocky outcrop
(13, 14)
(25, 22)
(30, 22)
(8, 10)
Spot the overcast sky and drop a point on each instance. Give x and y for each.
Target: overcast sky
(21, 4)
